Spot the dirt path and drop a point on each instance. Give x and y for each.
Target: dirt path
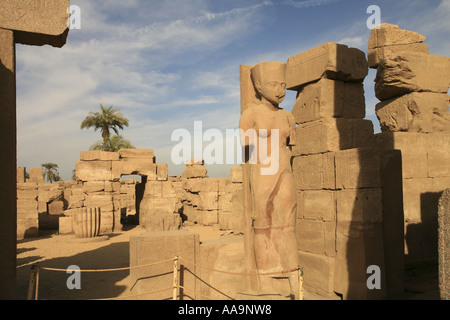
(61, 251)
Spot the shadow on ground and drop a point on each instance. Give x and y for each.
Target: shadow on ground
(94, 285)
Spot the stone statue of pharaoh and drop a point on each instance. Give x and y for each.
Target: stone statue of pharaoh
(273, 196)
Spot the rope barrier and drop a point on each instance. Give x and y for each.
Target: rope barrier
(34, 277)
(240, 273)
(108, 270)
(137, 295)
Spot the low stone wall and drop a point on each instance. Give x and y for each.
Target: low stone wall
(211, 201)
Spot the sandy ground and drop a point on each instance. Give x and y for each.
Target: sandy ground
(61, 251)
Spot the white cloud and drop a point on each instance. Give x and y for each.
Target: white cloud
(165, 64)
(308, 3)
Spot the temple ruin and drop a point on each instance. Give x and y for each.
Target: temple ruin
(363, 199)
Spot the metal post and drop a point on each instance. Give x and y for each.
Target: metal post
(300, 283)
(175, 278)
(33, 283)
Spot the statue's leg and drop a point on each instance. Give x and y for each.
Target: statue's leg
(283, 233)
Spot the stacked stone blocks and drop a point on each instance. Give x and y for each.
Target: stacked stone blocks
(414, 117)
(337, 172)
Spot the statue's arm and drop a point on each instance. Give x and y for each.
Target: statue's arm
(246, 124)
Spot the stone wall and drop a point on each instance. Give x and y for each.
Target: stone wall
(27, 206)
(212, 201)
(98, 174)
(414, 117)
(39, 205)
(341, 225)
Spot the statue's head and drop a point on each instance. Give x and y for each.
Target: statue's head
(269, 81)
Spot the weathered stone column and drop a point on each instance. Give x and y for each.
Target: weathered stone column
(8, 193)
(33, 23)
(443, 244)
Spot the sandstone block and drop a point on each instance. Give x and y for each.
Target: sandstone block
(225, 203)
(65, 225)
(51, 192)
(236, 174)
(414, 151)
(36, 175)
(168, 189)
(357, 168)
(153, 188)
(438, 154)
(55, 207)
(332, 135)
(231, 221)
(359, 246)
(137, 153)
(409, 71)
(162, 171)
(27, 214)
(27, 194)
(109, 221)
(194, 171)
(27, 205)
(42, 207)
(208, 201)
(192, 162)
(202, 217)
(108, 186)
(329, 60)
(420, 198)
(27, 185)
(162, 246)
(97, 155)
(77, 189)
(415, 112)
(224, 183)
(318, 272)
(93, 170)
(25, 18)
(27, 228)
(160, 220)
(377, 54)
(21, 173)
(317, 205)
(166, 204)
(316, 236)
(359, 205)
(315, 172)
(129, 166)
(201, 184)
(76, 201)
(102, 198)
(329, 99)
(390, 34)
(226, 253)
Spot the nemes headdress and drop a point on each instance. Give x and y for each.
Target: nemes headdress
(267, 71)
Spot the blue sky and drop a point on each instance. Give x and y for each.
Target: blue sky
(166, 64)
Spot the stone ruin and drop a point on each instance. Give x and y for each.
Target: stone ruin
(157, 202)
(363, 199)
(414, 117)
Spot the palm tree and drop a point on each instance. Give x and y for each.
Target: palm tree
(106, 120)
(115, 143)
(51, 172)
